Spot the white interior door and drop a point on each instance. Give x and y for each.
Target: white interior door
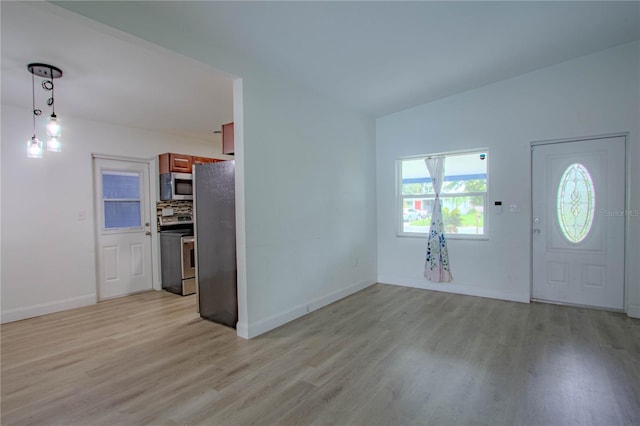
(578, 222)
(123, 227)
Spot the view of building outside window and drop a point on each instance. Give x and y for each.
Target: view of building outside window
(463, 196)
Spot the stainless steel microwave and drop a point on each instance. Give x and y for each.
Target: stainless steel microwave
(176, 186)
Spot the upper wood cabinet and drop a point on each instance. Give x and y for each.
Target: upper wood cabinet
(180, 163)
(175, 163)
(227, 139)
(203, 160)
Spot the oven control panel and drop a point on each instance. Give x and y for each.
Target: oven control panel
(182, 219)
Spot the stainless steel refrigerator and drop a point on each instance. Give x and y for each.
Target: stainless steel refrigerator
(215, 241)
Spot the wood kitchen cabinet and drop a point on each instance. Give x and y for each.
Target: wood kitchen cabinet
(203, 160)
(179, 163)
(227, 139)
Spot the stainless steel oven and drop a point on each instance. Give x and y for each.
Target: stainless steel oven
(188, 265)
(177, 260)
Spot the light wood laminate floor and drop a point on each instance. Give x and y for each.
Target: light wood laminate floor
(386, 355)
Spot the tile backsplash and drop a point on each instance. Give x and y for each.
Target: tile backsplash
(179, 207)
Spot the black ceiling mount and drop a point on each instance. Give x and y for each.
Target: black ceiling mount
(44, 70)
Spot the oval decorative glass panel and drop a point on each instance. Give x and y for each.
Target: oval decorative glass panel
(576, 203)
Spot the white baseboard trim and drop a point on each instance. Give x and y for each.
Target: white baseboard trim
(634, 311)
(457, 289)
(260, 327)
(18, 314)
(242, 330)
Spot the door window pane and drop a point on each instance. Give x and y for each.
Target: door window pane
(121, 199)
(120, 185)
(121, 214)
(575, 203)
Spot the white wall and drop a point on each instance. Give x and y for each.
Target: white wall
(593, 95)
(48, 255)
(309, 185)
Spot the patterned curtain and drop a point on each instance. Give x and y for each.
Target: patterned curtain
(436, 266)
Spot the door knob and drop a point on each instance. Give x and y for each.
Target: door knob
(147, 233)
(536, 230)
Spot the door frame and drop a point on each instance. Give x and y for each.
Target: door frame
(153, 195)
(627, 203)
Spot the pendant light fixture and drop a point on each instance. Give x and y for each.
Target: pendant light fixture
(34, 145)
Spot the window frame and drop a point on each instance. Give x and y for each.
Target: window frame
(400, 198)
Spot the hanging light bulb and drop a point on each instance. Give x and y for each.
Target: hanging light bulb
(54, 145)
(34, 147)
(53, 131)
(53, 127)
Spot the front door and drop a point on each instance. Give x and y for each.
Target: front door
(578, 222)
(123, 227)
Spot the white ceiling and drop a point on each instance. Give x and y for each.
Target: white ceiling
(376, 57)
(109, 76)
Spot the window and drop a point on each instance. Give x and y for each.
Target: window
(576, 203)
(121, 198)
(463, 196)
